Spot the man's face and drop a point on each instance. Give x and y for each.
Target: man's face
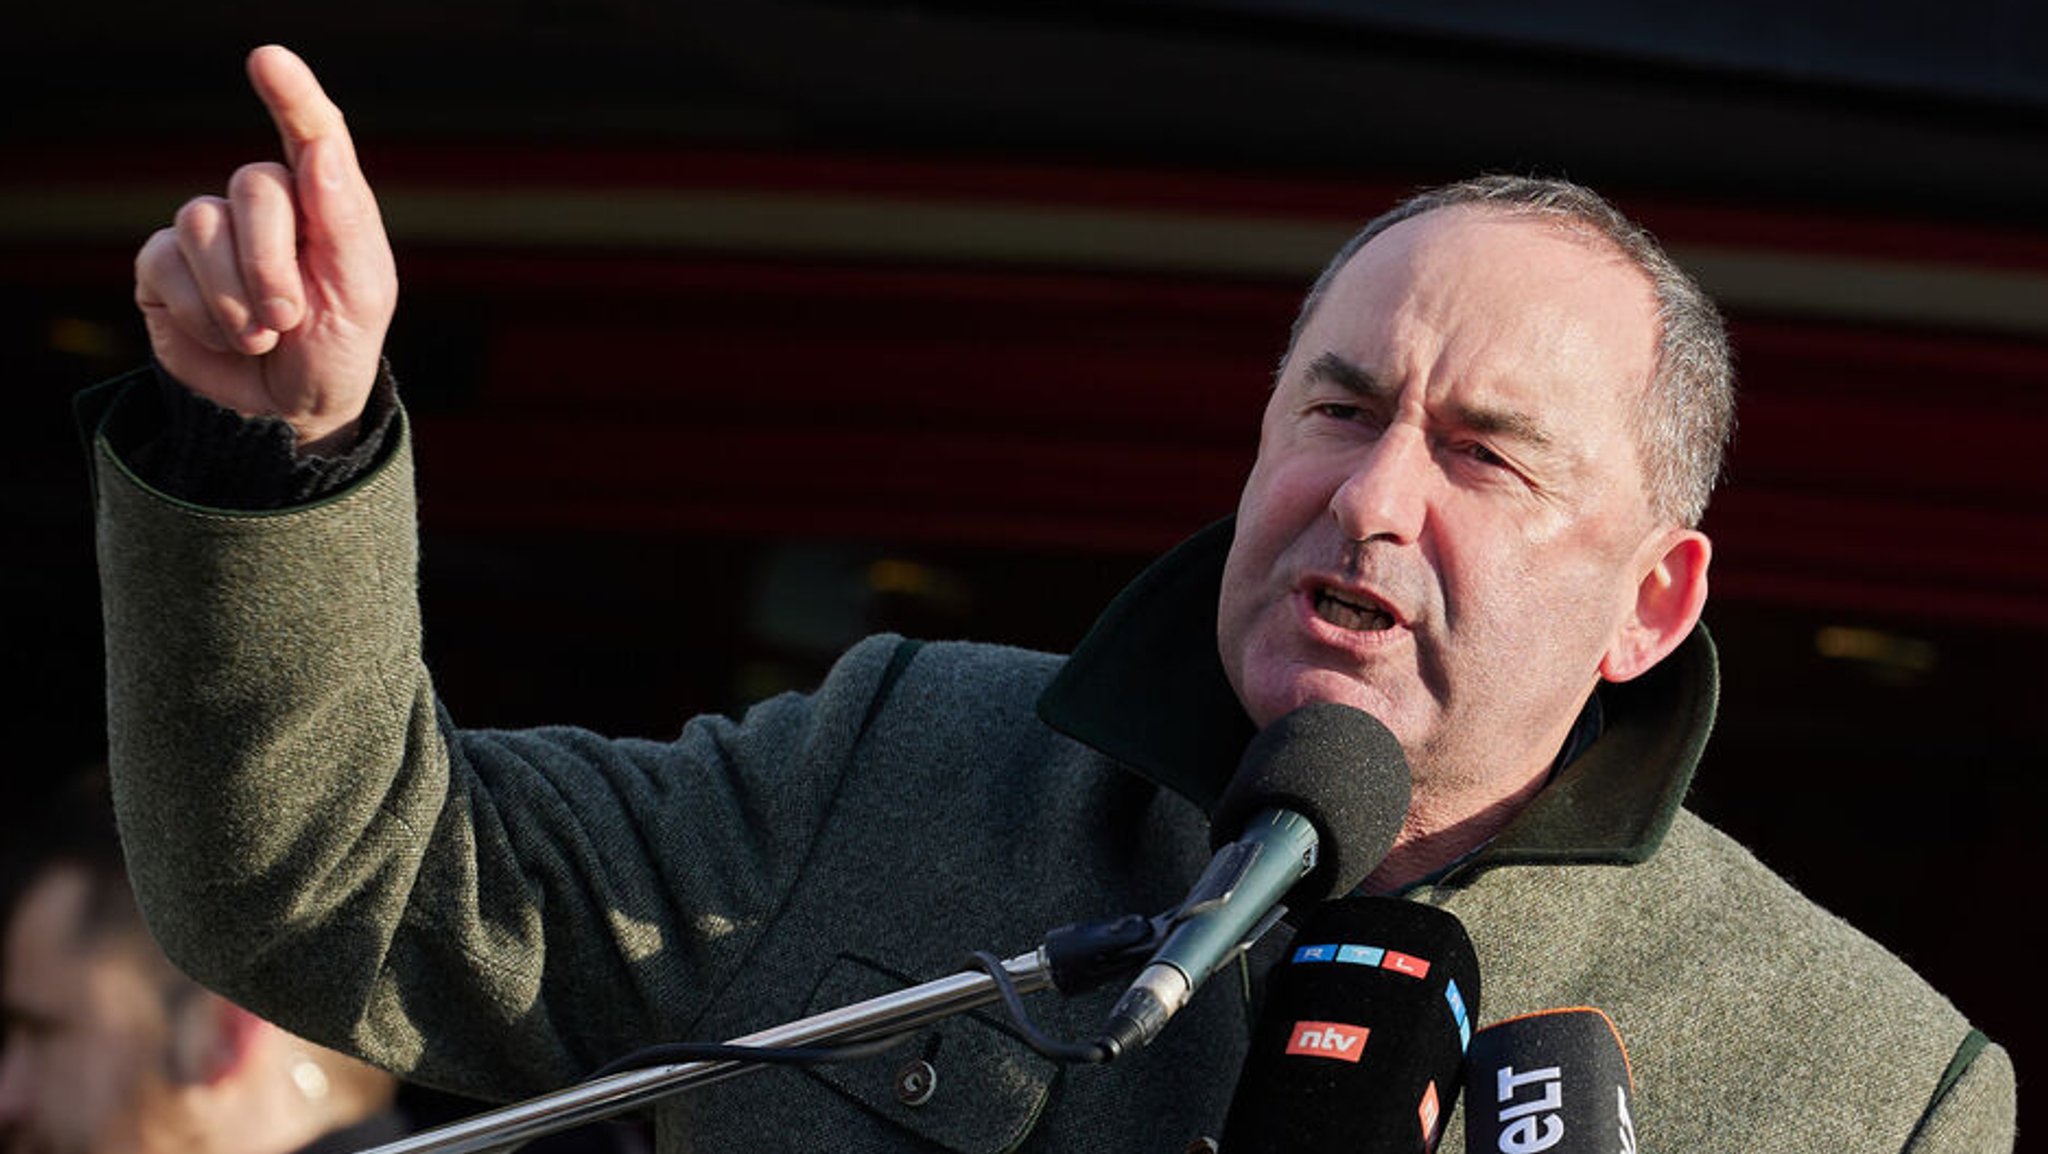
(85, 1068)
(1446, 523)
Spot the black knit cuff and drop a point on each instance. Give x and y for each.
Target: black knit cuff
(188, 447)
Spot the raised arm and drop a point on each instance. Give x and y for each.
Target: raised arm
(307, 831)
(274, 299)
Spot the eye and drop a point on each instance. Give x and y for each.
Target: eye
(1478, 461)
(1344, 412)
(1485, 456)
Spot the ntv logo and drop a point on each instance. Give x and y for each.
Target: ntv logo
(1327, 1040)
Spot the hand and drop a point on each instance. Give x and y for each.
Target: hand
(274, 300)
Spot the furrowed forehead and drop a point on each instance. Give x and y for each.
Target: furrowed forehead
(1513, 323)
(1496, 421)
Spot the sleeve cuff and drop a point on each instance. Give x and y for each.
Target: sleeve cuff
(194, 450)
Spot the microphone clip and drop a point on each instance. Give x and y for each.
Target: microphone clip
(1085, 955)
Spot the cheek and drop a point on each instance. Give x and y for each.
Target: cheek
(1281, 499)
(1555, 599)
(1239, 601)
(1502, 577)
(1279, 507)
(1254, 577)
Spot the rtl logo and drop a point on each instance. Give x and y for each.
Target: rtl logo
(1328, 1040)
(1407, 964)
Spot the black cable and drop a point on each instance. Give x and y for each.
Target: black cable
(675, 1053)
(1037, 1039)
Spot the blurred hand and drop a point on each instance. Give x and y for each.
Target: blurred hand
(274, 300)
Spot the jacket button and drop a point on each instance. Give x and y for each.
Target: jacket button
(916, 1082)
(1204, 1145)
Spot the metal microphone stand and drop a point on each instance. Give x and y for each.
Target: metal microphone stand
(603, 1097)
(1071, 959)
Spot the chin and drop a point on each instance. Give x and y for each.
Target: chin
(1279, 694)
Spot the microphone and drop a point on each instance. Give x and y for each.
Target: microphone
(1315, 804)
(1557, 1081)
(1360, 1045)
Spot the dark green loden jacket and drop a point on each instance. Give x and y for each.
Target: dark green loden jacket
(498, 913)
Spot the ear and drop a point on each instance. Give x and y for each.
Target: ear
(1668, 601)
(212, 1038)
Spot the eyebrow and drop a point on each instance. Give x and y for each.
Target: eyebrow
(1345, 375)
(1510, 423)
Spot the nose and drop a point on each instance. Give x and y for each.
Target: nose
(1385, 494)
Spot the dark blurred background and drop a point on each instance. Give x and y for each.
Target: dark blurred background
(735, 332)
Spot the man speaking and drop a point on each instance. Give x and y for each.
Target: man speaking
(1473, 515)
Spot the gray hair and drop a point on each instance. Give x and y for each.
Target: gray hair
(1685, 419)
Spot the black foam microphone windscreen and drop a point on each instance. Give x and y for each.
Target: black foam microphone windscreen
(1555, 1082)
(1340, 768)
(1360, 1044)
(1318, 798)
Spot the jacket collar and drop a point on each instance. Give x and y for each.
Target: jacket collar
(1146, 688)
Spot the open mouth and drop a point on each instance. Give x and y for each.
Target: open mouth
(1350, 612)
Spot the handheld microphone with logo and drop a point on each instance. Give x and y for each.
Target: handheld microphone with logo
(1316, 802)
(1555, 1081)
(1361, 1043)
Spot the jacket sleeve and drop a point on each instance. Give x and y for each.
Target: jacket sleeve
(492, 912)
(1975, 1110)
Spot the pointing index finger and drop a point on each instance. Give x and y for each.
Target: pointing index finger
(298, 105)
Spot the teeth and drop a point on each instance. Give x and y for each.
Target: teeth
(1351, 615)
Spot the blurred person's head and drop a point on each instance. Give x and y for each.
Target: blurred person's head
(108, 1049)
